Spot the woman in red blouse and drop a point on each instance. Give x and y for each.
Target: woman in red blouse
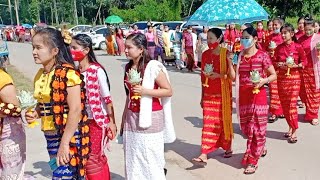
(289, 77)
(261, 34)
(216, 100)
(275, 105)
(301, 30)
(310, 93)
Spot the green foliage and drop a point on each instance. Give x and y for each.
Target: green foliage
(33, 11)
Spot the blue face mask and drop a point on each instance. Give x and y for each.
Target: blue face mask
(246, 43)
(277, 31)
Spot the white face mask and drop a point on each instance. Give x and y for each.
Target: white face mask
(189, 31)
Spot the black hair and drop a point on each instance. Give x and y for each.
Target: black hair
(259, 22)
(148, 27)
(218, 33)
(252, 31)
(308, 20)
(289, 27)
(281, 21)
(248, 25)
(300, 18)
(140, 41)
(85, 41)
(53, 38)
(270, 21)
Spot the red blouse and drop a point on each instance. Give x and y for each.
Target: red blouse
(260, 61)
(299, 34)
(214, 84)
(134, 104)
(231, 35)
(305, 42)
(293, 49)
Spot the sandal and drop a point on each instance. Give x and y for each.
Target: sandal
(251, 169)
(281, 116)
(272, 119)
(292, 140)
(301, 105)
(228, 154)
(287, 135)
(200, 161)
(315, 122)
(265, 152)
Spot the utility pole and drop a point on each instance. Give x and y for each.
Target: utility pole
(17, 13)
(10, 10)
(190, 7)
(56, 11)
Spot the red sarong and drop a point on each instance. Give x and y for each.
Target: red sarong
(275, 105)
(289, 87)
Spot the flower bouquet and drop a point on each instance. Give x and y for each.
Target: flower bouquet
(255, 79)
(134, 78)
(272, 47)
(27, 102)
(208, 68)
(290, 63)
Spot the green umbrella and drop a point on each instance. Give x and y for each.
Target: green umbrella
(113, 19)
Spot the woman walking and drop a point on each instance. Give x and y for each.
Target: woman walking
(147, 122)
(152, 39)
(310, 88)
(59, 90)
(120, 41)
(13, 137)
(252, 105)
(288, 77)
(99, 106)
(216, 100)
(188, 48)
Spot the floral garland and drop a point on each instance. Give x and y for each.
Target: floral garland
(79, 153)
(94, 97)
(9, 109)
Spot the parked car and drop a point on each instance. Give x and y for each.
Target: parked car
(142, 25)
(98, 36)
(79, 29)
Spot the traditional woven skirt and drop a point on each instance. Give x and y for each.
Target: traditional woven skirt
(289, 88)
(144, 148)
(253, 122)
(212, 131)
(53, 142)
(309, 94)
(275, 104)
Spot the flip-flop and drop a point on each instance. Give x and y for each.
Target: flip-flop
(314, 122)
(281, 116)
(228, 154)
(265, 152)
(293, 140)
(273, 119)
(199, 161)
(287, 135)
(251, 166)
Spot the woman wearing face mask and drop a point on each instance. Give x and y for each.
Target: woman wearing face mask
(99, 106)
(59, 90)
(289, 85)
(146, 121)
(310, 88)
(275, 39)
(187, 46)
(252, 107)
(216, 99)
(301, 31)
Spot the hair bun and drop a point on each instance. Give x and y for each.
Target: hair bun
(308, 17)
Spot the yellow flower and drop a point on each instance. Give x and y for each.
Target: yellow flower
(10, 106)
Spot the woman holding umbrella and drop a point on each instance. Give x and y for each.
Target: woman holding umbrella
(251, 97)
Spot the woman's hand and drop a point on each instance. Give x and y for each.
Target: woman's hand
(113, 130)
(262, 82)
(31, 116)
(63, 156)
(138, 89)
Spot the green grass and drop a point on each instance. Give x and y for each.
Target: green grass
(21, 82)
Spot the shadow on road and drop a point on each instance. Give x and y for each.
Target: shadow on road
(196, 121)
(116, 176)
(43, 167)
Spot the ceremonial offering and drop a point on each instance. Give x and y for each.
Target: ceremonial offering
(272, 47)
(290, 63)
(27, 102)
(208, 68)
(255, 79)
(134, 78)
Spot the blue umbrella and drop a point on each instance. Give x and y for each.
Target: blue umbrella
(216, 12)
(27, 26)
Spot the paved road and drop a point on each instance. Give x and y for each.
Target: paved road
(284, 161)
